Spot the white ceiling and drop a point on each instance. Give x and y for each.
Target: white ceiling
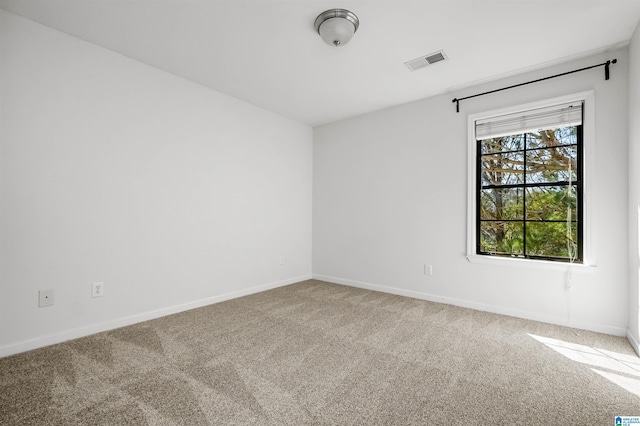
(267, 52)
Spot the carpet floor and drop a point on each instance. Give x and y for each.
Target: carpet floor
(315, 353)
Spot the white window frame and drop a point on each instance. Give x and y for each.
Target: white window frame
(588, 143)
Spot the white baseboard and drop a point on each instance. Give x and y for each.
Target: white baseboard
(76, 333)
(534, 316)
(634, 343)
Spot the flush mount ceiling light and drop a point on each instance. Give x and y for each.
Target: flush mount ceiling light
(336, 26)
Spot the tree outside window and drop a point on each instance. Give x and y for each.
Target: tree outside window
(529, 194)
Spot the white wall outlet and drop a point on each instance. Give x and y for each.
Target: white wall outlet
(45, 298)
(282, 260)
(97, 290)
(428, 269)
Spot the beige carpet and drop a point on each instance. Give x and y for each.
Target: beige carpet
(315, 353)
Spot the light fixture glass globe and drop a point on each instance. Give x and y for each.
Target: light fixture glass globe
(336, 31)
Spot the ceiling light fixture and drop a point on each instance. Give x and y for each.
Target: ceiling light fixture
(337, 26)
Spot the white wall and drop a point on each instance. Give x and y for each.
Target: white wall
(634, 190)
(173, 195)
(390, 193)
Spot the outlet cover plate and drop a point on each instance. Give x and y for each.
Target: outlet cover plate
(97, 290)
(428, 269)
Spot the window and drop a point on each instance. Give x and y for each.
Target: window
(528, 182)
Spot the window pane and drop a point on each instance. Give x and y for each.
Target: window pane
(552, 164)
(502, 144)
(501, 237)
(502, 204)
(536, 171)
(551, 203)
(502, 168)
(552, 137)
(552, 239)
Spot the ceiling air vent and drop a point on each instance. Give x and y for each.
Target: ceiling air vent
(423, 61)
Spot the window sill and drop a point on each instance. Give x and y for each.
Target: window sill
(529, 263)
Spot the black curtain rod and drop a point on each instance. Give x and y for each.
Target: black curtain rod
(606, 77)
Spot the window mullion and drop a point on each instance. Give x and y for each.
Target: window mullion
(524, 199)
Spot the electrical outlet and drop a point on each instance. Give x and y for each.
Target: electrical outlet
(428, 269)
(97, 290)
(45, 298)
(282, 260)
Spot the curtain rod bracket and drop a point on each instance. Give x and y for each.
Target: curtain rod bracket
(606, 68)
